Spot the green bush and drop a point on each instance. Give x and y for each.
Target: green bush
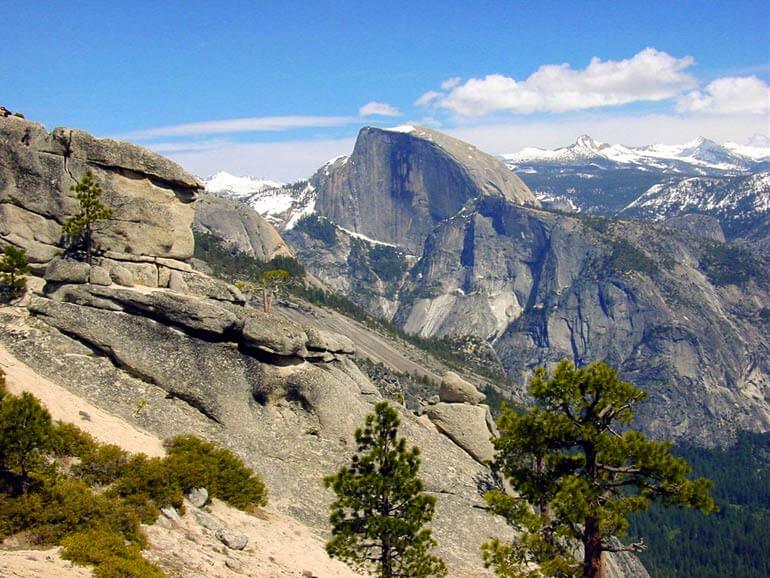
(70, 440)
(26, 434)
(148, 485)
(102, 465)
(109, 553)
(195, 463)
(71, 506)
(18, 513)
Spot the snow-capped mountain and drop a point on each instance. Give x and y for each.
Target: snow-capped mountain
(227, 185)
(605, 178)
(741, 204)
(700, 156)
(281, 204)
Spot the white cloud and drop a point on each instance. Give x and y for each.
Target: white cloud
(728, 95)
(511, 137)
(450, 83)
(284, 161)
(375, 108)
(650, 75)
(428, 98)
(239, 125)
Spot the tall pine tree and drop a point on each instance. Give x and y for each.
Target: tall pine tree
(577, 477)
(379, 516)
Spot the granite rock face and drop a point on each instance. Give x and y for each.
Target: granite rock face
(239, 226)
(397, 186)
(151, 197)
(651, 300)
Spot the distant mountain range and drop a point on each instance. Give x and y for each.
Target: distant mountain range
(698, 157)
(655, 182)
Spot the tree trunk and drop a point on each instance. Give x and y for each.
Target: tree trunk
(593, 565)
(386, 557)
(88, 243)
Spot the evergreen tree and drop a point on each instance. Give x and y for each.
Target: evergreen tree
(269, 285)
(13, 267)
(79, 228)
(577, 477)
(26, 433)
(379, 516)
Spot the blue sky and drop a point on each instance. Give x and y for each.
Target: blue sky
(275, 90)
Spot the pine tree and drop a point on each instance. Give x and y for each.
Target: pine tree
(577, 477)
(269, 286)
(379, 516)
(79, 228)
(13, 267)
(26, 432)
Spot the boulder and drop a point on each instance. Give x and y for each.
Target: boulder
(455, 389)
(67, 271)
(320, 340)
(177, 283)
(142, 273)
(232, 539)
(272, 334)
(205, 286)
(99, 276)
(122, 276)
(198, 497)
(466, 425)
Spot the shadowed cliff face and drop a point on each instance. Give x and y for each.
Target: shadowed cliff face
(397, 186)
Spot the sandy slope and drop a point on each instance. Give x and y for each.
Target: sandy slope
(67, 407)
(279, 546)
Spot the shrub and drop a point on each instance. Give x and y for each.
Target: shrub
(109, 553)
(102, 465)
(20, 513)
(70, 440)
(195, 463)
(147, 485)
(71, 506)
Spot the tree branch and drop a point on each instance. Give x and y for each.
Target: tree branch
(639, 546)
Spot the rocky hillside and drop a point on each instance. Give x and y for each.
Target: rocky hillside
(239, 226)
(174, 351)
(683, 317)
(681, 312)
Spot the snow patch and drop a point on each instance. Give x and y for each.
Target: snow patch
(407, 128)
(223, 183)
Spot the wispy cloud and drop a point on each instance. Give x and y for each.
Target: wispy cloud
(650, 75)
(728, 95)
(375, 108)
(282, 161)
(241, 125)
